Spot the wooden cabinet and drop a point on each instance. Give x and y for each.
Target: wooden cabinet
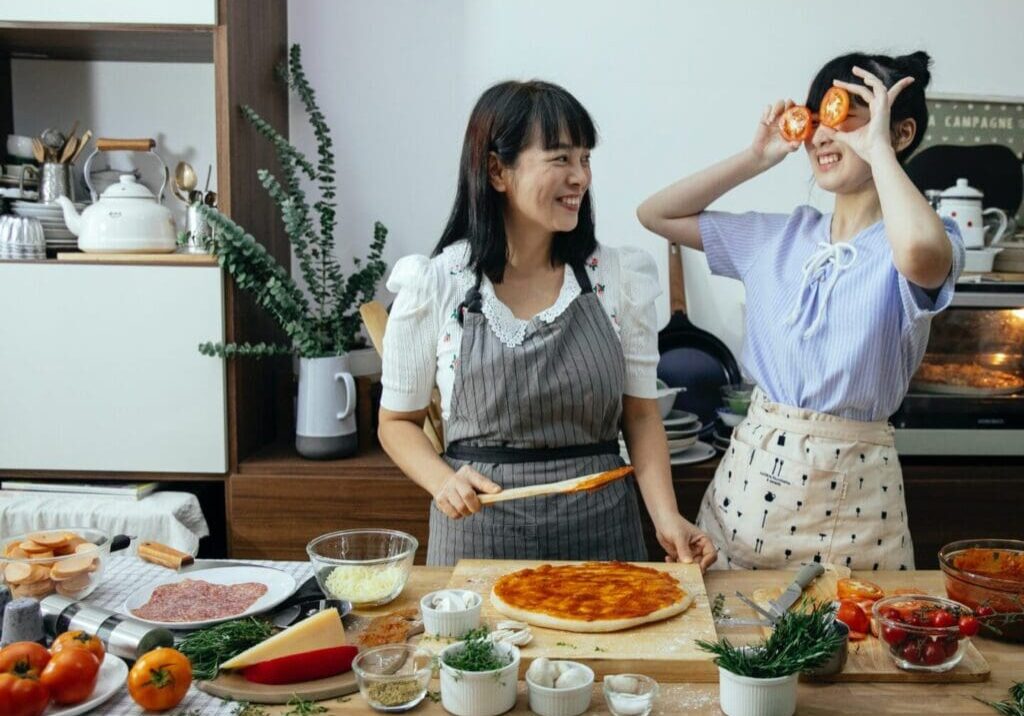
(279, 502)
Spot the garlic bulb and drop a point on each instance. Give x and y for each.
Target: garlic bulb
(542, 672)
(571, 676)
(623, 684)
(518, 638)
(449, 601)
(513, 625)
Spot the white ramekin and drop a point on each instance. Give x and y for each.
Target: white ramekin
(452, 625)
(479, 693)
(573, 701)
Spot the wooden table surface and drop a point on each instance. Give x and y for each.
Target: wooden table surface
(1006, 660)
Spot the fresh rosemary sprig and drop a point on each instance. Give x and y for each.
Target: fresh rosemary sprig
(478, 654)
(1014, 706)
(301, 707)
(208, 648)
(802, 639)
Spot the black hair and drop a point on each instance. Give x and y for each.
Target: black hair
(910, 104)
(503, 121)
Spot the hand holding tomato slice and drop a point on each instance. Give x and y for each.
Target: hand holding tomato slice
(769, 145)
(796, 124)
(876, 135)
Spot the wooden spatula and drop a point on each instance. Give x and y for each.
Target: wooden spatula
(576, 484)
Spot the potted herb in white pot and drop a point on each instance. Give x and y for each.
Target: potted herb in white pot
(479, 676)
(320, 315)
(761, 679)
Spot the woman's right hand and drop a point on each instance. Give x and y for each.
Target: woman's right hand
(768, 146)
(457, 497)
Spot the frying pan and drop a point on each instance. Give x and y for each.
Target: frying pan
(691, 357)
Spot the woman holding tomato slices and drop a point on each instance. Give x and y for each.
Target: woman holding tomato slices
(839, 307)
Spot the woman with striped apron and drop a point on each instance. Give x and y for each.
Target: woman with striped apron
(530, 401)
(545, 411)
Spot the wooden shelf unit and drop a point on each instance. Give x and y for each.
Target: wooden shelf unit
(248, 41)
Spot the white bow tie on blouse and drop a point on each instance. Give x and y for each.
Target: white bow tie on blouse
(842, 255)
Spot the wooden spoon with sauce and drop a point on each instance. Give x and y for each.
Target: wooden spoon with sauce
(576, 484)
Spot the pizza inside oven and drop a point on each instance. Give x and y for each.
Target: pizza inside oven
(968, 375)
(590, 596)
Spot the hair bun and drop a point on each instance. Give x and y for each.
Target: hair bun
(915, 65)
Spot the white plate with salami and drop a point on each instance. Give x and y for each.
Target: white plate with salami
(209, 596)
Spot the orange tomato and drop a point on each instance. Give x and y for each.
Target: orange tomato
(24, 659)
(860, 590)
(22, 696)
(160, 679)
(835, 106)
(852, 615)
(71, 676)
(796, 124)
(79, 640)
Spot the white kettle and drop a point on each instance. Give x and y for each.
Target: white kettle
(962, 204)
(127, 217)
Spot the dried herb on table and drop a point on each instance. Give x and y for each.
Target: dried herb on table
(718, 606)
(478, 654)
(803, 639)
(208, 648)
(1014, 706)
(301, 707)
(244, 708)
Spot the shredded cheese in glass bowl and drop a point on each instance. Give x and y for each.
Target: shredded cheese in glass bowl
(365, 567)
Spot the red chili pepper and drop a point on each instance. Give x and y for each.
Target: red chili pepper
(307, 666)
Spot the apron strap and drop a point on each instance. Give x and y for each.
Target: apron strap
(503, 455)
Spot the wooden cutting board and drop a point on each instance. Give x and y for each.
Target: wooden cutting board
(235, 687)
(664, 650)
(869, 660)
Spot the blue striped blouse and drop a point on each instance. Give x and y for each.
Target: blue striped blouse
(828, 328)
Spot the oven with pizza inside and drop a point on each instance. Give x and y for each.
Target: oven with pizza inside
(967, 397)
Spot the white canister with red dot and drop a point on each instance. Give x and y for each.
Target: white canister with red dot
(962, 204)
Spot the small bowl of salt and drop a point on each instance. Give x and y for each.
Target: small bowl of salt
(451, 613)
(630, 694)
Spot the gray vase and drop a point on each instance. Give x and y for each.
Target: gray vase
(326, 413)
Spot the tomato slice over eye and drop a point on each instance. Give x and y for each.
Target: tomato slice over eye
(796, 124)
(835, 106)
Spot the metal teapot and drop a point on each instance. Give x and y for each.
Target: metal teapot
(127, 217)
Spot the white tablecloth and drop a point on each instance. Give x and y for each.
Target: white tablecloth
(123, 575)
(171, 518)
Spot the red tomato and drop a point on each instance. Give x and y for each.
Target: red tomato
(22, 697)
(71, 675)
(796, 124)
(969, 625)
(985, 611)
(940, 618)
(835, 106)
(893, 635)
(859, 590)
(911, 652)
(934, 653)
(852, 615)
(78, 640)
(24, 659)
(950, 645)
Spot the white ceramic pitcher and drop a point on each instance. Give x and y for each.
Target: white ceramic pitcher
(962, 204)
(326, 419)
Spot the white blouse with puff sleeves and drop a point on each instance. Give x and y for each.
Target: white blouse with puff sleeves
(423, 337)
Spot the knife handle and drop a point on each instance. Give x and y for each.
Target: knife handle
(808, 573)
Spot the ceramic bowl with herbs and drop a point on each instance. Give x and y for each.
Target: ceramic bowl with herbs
(367, 567)
(394, 677)
(478, 676)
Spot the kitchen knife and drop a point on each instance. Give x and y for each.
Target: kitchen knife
(807, 574)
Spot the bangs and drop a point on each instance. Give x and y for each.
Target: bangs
(557, 114)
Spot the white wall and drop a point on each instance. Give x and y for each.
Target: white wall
(673, 86)
(172, 103)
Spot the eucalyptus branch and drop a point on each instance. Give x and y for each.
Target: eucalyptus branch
(250, 350)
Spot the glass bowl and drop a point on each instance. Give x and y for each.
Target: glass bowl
(365, 567)
(736, 397)
(916, 641)
(630, 694)
(393, 677)
(988, 576)
(68, 561)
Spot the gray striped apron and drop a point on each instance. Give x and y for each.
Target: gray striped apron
(543, 411)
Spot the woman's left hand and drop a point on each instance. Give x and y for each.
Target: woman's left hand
(685, 543)
(876, 135)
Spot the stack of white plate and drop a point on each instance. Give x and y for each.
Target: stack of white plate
(51, 216)
(683, 432)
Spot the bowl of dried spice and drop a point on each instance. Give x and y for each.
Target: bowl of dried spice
(394, 677)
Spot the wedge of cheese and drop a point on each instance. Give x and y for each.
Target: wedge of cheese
(320, 631)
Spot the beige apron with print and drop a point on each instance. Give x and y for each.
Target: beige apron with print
(800, 486)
